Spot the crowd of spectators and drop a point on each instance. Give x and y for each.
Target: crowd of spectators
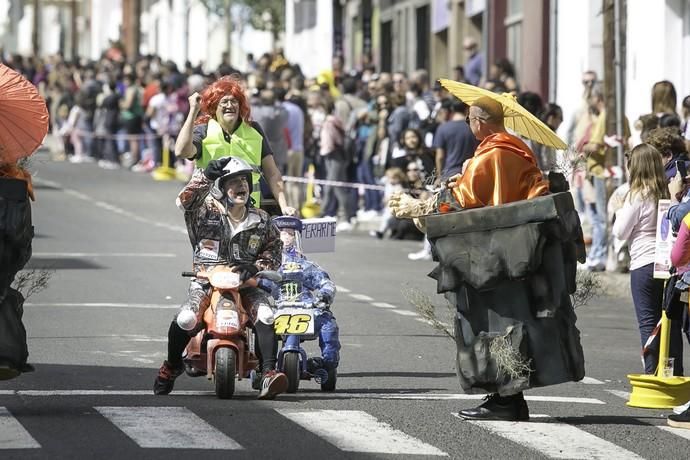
(385, 130)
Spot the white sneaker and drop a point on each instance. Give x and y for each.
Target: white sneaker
(109, 165)
(344, 227)
(421, 255)
(366, 216)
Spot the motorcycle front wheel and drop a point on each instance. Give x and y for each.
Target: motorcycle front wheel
(292, 370)
(225, 372)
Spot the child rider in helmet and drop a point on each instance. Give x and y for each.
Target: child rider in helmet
(305, 281)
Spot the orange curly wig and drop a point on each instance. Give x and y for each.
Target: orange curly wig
(211, 96)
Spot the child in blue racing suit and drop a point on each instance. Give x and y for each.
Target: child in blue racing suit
(304, 281)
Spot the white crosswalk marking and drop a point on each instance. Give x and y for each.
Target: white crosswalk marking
(361, 297)
(167, 427)
(13, 435)
(682, 432)
(357, 431)
(383, 305)
(557, 440)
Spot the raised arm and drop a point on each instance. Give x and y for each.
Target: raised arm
(184, 147)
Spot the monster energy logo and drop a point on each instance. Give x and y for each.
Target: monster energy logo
(290, 291)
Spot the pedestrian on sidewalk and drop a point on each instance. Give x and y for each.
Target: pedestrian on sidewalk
(454, 142)
(336, 160)
(599, 158)
(636, 222)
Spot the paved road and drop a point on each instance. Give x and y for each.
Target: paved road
(117, 243)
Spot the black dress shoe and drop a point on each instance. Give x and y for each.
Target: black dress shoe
(509, 408)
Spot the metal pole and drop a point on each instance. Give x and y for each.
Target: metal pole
(35, 34)
(75, 35)
(485, 40)
(187, 9)
(553, 46)
(619, 81)
(228, 29)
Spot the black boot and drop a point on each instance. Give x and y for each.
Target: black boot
(508, 408)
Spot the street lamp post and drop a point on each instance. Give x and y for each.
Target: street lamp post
(75, 33)
(35, 44)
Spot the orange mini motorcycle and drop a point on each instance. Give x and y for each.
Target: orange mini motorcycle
(225, 348)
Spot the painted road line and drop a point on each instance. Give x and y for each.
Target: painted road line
(114, 209)
(167, 428)
(430, 323)
(385, 396)
(556, 440)
(383, 305)
(105, 393)
(357, 431)
(591, 381)
(104, 254)
(405, 312)
(682, 432)
(342, 289)
(13, 435)
(621, 394)
(362, 297)
(160, 306)
(564, 399)
(402, 396)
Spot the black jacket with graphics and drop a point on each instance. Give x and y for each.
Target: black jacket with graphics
(256, 240)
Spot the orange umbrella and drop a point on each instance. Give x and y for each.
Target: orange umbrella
(23, 116)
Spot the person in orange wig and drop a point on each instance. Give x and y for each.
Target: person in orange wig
(219, 125)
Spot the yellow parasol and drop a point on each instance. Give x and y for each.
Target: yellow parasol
(515, 117)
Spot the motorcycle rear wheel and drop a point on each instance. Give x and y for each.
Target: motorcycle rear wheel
(292, 370)
(225, 372)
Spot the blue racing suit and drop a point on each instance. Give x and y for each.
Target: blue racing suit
(304, 281)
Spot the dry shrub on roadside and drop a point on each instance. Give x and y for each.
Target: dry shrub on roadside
(588, 287)
(30, 282)
(422, 302)
(569, 161)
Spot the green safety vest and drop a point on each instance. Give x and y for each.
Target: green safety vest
(245, 143)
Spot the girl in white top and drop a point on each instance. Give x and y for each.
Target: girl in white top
(636, 222)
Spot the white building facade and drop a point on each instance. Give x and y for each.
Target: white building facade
(658, 48)
(178, 30)
(309, 34)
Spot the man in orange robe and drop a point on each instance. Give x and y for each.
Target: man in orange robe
(503, 168)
